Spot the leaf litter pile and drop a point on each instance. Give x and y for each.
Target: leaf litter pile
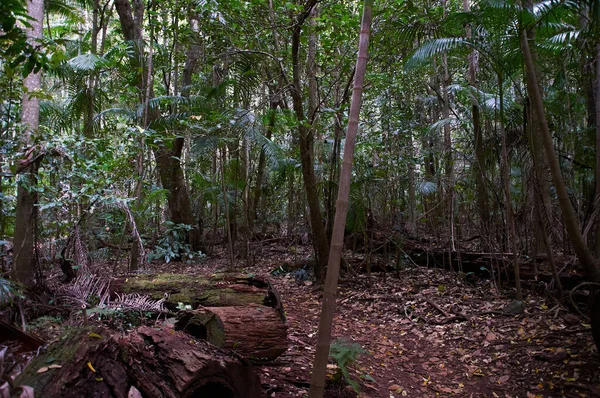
(418, 332)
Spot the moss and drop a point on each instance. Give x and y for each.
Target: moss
(194, 290)
(60, 353)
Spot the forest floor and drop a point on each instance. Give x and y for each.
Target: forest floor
(429, 332)
(426, 333)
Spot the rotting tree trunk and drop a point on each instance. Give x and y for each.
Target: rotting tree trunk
(306, 144)
(26, 209)
(317, 383)
(255, 332)
(584, 255)
(220, 290)
(149, 362)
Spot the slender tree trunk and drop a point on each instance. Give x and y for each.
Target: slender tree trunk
(317, 385)
(412, 200)
(262, 160)
(568, 212)
(306, 144)
(510, 215)
(448, 166)
(597, 195)
(227, 216)
(26, 210)
(479, 165)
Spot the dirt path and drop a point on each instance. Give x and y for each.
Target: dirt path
(429, 333)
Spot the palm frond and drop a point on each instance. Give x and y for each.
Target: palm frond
(435, 47)
(437, 126)
(87, 62)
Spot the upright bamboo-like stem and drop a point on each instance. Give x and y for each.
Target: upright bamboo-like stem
(317, 385)
(226, 208)
(510, 214)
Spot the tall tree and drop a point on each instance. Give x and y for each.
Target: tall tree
(568, 212)
(317, 383)
(26, 211)
(168, 157)
(306, 139)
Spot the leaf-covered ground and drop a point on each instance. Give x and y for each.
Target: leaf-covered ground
(431, 333)
(426, 333)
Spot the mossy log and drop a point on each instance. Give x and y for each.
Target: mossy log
(149, 362)
(217, 290)
(253, 331)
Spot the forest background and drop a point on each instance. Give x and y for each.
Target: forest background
(157, 130)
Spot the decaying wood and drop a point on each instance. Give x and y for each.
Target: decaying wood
(218, 290)
(28, 342)
(155, 362)
(253, 331)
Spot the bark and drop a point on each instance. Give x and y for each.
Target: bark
(448, 166)
(479, 165)
(26, 209)
(255, 332)
(597, 120)
(317, 385)
(412, 199)
(510, 215)
(569, 216)
(306, 144)
(148, 362)
(168, 160)
(540, 161)
(222, 290)
(262, 160)
(227, 215)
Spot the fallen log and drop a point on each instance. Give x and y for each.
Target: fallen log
(148, 362)
(217, 290)
(254, 331)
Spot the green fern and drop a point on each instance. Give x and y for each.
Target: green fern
(8, 292)
(345, 355)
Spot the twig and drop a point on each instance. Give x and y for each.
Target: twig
(434, 305)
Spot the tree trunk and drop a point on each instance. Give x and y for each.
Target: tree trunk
(571, 222)
(256, 332)
(317, 384)
(479, 165)
(306, 144)
(26, 210)
(448, 161)
(220, 290)
(168, 160)
(597, 195)
(510, 215)
(262, 161)
(148, 362)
